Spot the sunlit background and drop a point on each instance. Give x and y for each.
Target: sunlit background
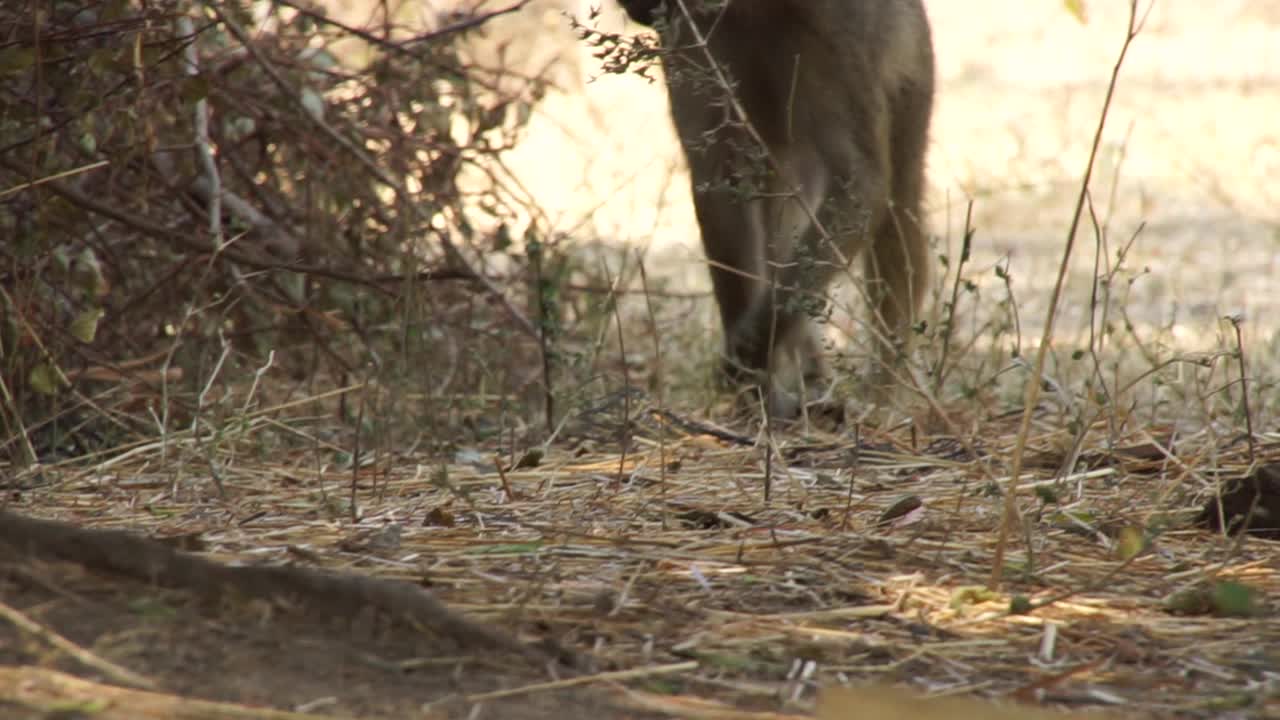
(1191, 152)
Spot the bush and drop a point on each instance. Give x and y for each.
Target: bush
(197, 191)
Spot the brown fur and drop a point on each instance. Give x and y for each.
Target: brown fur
(841, 93)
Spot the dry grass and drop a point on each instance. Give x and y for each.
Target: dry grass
(646, 566)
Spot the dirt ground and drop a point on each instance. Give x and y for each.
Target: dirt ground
(251, 657)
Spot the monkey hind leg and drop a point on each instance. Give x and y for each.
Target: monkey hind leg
(778, 323)
(843, 183)
(897, 271)
(898, 265)
(735, 293)
(732, 238)
(797, 374)
(812, 365)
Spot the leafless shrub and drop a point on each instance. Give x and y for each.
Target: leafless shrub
(194, 191)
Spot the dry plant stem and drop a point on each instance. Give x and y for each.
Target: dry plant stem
(1102, 582)
(660, 384)
(613, 676)
(116, 673)
(767, 395)
(624, 433)
(236, 255)
(1033, 384)
(544, 342)
(948, 327)
(200, 415)
(401, 48)
(272, 236)
(1244, 389)
(469, 23)
(1007, 281)
(250, 422)
(854, 463)
(1101, 303)
(355, 456)
(1096, 340)
(402, 192)
(506, 482)
(30, 332)
(56, 176)
(208, 166)
(12, 415)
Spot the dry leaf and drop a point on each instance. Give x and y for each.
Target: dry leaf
(884, 703)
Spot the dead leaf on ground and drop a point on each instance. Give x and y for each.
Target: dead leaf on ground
(883, 703)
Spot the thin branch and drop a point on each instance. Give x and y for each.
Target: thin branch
(1033, 385)
(402, 193)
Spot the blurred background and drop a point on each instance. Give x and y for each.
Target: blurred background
(1191, 152)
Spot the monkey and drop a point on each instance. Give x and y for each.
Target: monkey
(840, 93)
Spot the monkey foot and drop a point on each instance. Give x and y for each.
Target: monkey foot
(819, 402)
(782, 405)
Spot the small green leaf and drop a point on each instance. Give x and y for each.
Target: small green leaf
(78, 708)
(152, 608)
(114, 10)
(661, 687)
(971, 595)
(44, 379)
(312, 103)
(193, 90)
(531, 458)
(900, 509)
(1232, 599)
(61, 259)
(240, 128)
(85, 327)
(1019, 605)
(1047, 495)
(1130, 541)
(1231, 701)
(13, 59)
(88, 273)
(508, 549)
(728, 661)
(1074, 518)
(1076, 8)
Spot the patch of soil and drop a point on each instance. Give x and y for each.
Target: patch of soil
(251, 652)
